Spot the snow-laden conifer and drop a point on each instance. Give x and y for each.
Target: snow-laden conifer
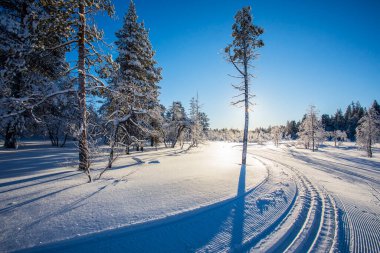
(176, 122)
(196, 129)
(29, 73)
(368, 130)
(132, 104)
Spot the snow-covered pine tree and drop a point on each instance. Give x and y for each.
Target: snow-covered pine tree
(376, 106)
(28, 72)
(176, 122)
(196, 129)
(352, 116)
(132, 105)
(339, 126)
(205, 122)
(153, 118)
(368, 130)
(291, 129)
(311, 130)
(241, 53)
(138, 75)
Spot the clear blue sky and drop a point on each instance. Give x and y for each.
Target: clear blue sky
(325, 53)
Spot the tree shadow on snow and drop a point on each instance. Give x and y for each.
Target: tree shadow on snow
(14, 206)
(331, 167)
(198, 230)
(33, 159)
(238, 213)
(358, 160)
(67, 207)
(38, 180)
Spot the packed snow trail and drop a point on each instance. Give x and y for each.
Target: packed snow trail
(312, 225)
(357, 222)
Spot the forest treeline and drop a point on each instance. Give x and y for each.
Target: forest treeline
(356, 124)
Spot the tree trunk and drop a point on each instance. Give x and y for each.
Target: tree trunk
(312, 131)
(84, 163)
(64, 141)
(112, 148)
(369, 148)
(180, 129)
(127, 150)
(10, 138)
(246, 107)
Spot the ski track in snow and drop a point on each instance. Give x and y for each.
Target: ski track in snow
(357, 226)
(295, 208)
(311, 227)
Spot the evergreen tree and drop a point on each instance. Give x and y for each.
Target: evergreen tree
(196, 129)
(338, 120)
(138, 75)
(133, 100)
(204, 121)
(291, 129)
(176, 123)
(241, 53)
(327, 123)
(28, 71)
(338, 123)
(368, 130)
(376, 106)
(352, 116)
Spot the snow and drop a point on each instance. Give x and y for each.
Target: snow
(54, 203)
(202, 200)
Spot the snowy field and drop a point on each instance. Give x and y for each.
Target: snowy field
(286, 199)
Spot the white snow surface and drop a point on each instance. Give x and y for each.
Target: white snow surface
(203, 200)
(42, 202)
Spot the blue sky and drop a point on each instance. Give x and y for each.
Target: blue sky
(325, 53)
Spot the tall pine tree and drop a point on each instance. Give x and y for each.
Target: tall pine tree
(241, 53)
(133, 99)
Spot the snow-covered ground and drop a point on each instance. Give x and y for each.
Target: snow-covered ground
(286, 199)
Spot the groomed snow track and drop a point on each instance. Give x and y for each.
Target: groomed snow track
(359, 226)
(311, 225)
